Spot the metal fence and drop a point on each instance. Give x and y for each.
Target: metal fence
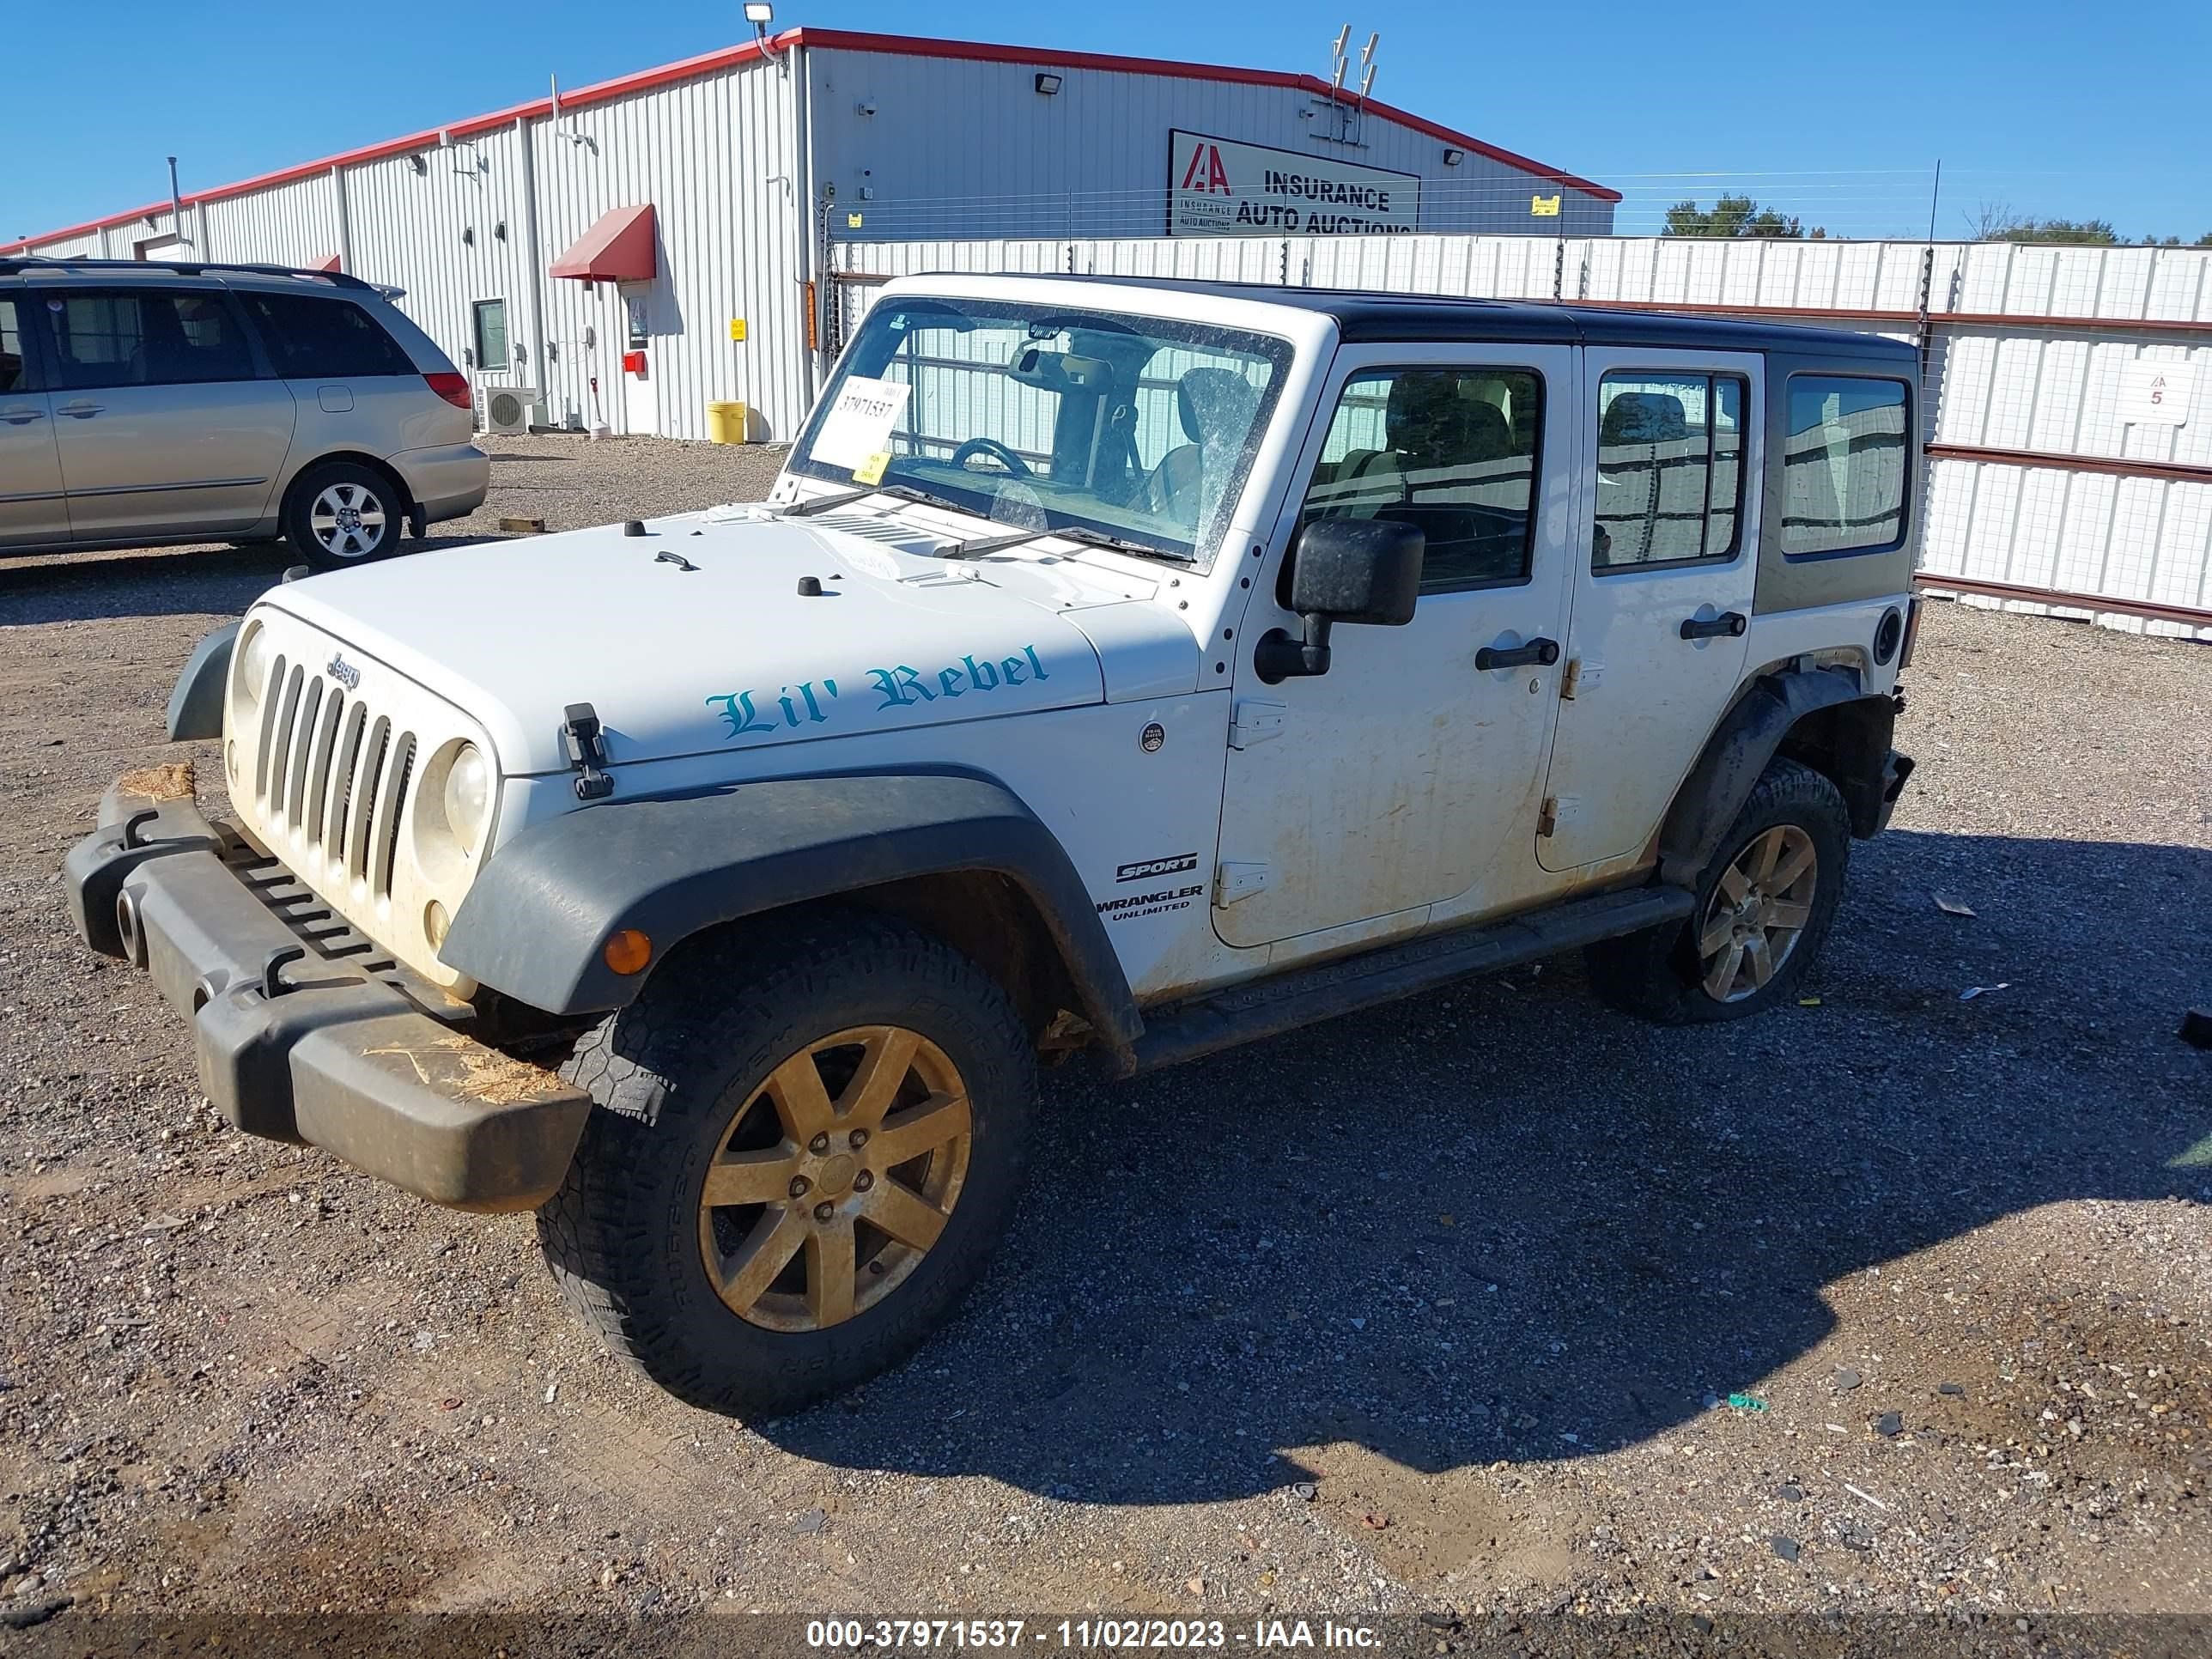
(2066, 398)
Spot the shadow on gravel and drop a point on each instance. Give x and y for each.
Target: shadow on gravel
(162, 582)
(1501, 1222)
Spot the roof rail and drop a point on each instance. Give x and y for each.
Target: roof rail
(14, 263)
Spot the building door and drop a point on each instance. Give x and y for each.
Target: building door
(31, 509)
(640, 397)
(1662, 589)
(1399, 778)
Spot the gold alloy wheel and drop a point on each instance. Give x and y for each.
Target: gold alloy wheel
(835, 1178)
(1758, 910)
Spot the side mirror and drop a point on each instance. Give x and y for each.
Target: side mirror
(1342, 570)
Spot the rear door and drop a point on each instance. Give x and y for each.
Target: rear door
(167, 423)
(31, 509)
(1662, 589)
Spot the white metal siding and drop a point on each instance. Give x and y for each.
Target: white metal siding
(962, 148)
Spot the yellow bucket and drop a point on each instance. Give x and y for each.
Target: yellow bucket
(726, 422)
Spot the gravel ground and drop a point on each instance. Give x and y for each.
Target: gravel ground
(1492, 1304)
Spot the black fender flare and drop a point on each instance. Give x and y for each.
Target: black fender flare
(1738, 751)
(535, 922)
(196, 701)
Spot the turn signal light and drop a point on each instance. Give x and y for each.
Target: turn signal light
(627, 951)
(453, 388)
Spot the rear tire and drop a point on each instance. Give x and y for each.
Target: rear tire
(808, 1069)
(1760, 919)
(339, 513)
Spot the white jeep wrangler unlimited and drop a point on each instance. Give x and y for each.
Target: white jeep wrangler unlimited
(1128, 667)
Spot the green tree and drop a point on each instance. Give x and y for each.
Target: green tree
(2082, 232)
(1731, 215)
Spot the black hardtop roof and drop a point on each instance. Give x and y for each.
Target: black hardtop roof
(1364, 316)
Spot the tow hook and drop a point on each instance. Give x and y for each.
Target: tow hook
(587, 751)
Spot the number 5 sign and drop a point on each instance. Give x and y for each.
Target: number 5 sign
(2157, 393)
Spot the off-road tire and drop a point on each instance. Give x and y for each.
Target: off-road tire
(366, 483)
(667, 1074)
(1655, 973)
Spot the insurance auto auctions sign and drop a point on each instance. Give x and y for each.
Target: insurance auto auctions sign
(1219, 188)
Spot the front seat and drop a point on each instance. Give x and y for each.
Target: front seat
(1216, 407)
(1433, 433)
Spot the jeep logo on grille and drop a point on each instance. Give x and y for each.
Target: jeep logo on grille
(344, 673)
(1146, 869)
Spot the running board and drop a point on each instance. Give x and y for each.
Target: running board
(1266, 1008)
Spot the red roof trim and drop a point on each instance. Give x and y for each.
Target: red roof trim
(843, 41)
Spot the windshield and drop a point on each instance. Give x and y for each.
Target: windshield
(1037, 418)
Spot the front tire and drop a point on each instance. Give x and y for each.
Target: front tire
(1764, 907)
(806, 1143)
(341, 513)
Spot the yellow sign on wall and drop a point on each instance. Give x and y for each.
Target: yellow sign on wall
(737, 328)
(1544, 206)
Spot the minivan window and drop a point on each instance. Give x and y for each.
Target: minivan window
(1844, 473)
(1670, 469)
(1450, 451)
(144, 336)
(310, 338)
(491, 333)
(15, 374)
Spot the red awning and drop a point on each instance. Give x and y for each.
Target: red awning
(617, 249)
(328, 262)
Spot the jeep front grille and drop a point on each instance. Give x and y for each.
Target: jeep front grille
(332, 776)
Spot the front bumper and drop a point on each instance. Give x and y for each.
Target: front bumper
(298, 1045)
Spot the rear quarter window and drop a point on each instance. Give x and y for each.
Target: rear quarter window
(1843, 465)
(310, 338)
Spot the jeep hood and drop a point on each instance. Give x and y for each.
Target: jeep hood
(729, 654)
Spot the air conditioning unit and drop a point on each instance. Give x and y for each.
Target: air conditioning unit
(508, 408)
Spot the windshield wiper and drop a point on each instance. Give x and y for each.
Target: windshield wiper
(973, 549)
(808, 508)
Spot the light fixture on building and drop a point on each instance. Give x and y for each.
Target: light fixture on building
(1454, 157)
(1048, 84)
(760, 15)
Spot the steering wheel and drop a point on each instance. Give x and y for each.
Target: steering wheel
(997, 450)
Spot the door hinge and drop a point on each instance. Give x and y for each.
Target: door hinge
(1580, 677)
(1558, 810)
(1253, 723)
(1232, 882)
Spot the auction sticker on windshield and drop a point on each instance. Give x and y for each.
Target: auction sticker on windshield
(858, 424)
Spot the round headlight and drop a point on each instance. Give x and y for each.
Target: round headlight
(467, 794)
(253, 665)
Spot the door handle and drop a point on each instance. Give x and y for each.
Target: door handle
(1728, 623)
(81, 411)
(1543, 651)
(20, 417)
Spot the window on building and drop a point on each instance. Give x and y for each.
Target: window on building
(1670, 469)
(310, 338)
(145, 337)
(1452, 452)
(491, 333)
(1844, 473)
(14, 376)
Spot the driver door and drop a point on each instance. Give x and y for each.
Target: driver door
(1410, 774)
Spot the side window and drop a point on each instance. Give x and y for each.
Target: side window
(491, 333)
(1669, 469)
(1844, 473)
(1451, 450)
(15, 374)
(310, 338)
(145, 337)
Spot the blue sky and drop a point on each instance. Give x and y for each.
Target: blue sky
(1835, 112)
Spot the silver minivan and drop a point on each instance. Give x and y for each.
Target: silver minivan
(144, 403)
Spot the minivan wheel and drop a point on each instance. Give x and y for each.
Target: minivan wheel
(1764, 907)
(343, 514)
(805, 1142)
